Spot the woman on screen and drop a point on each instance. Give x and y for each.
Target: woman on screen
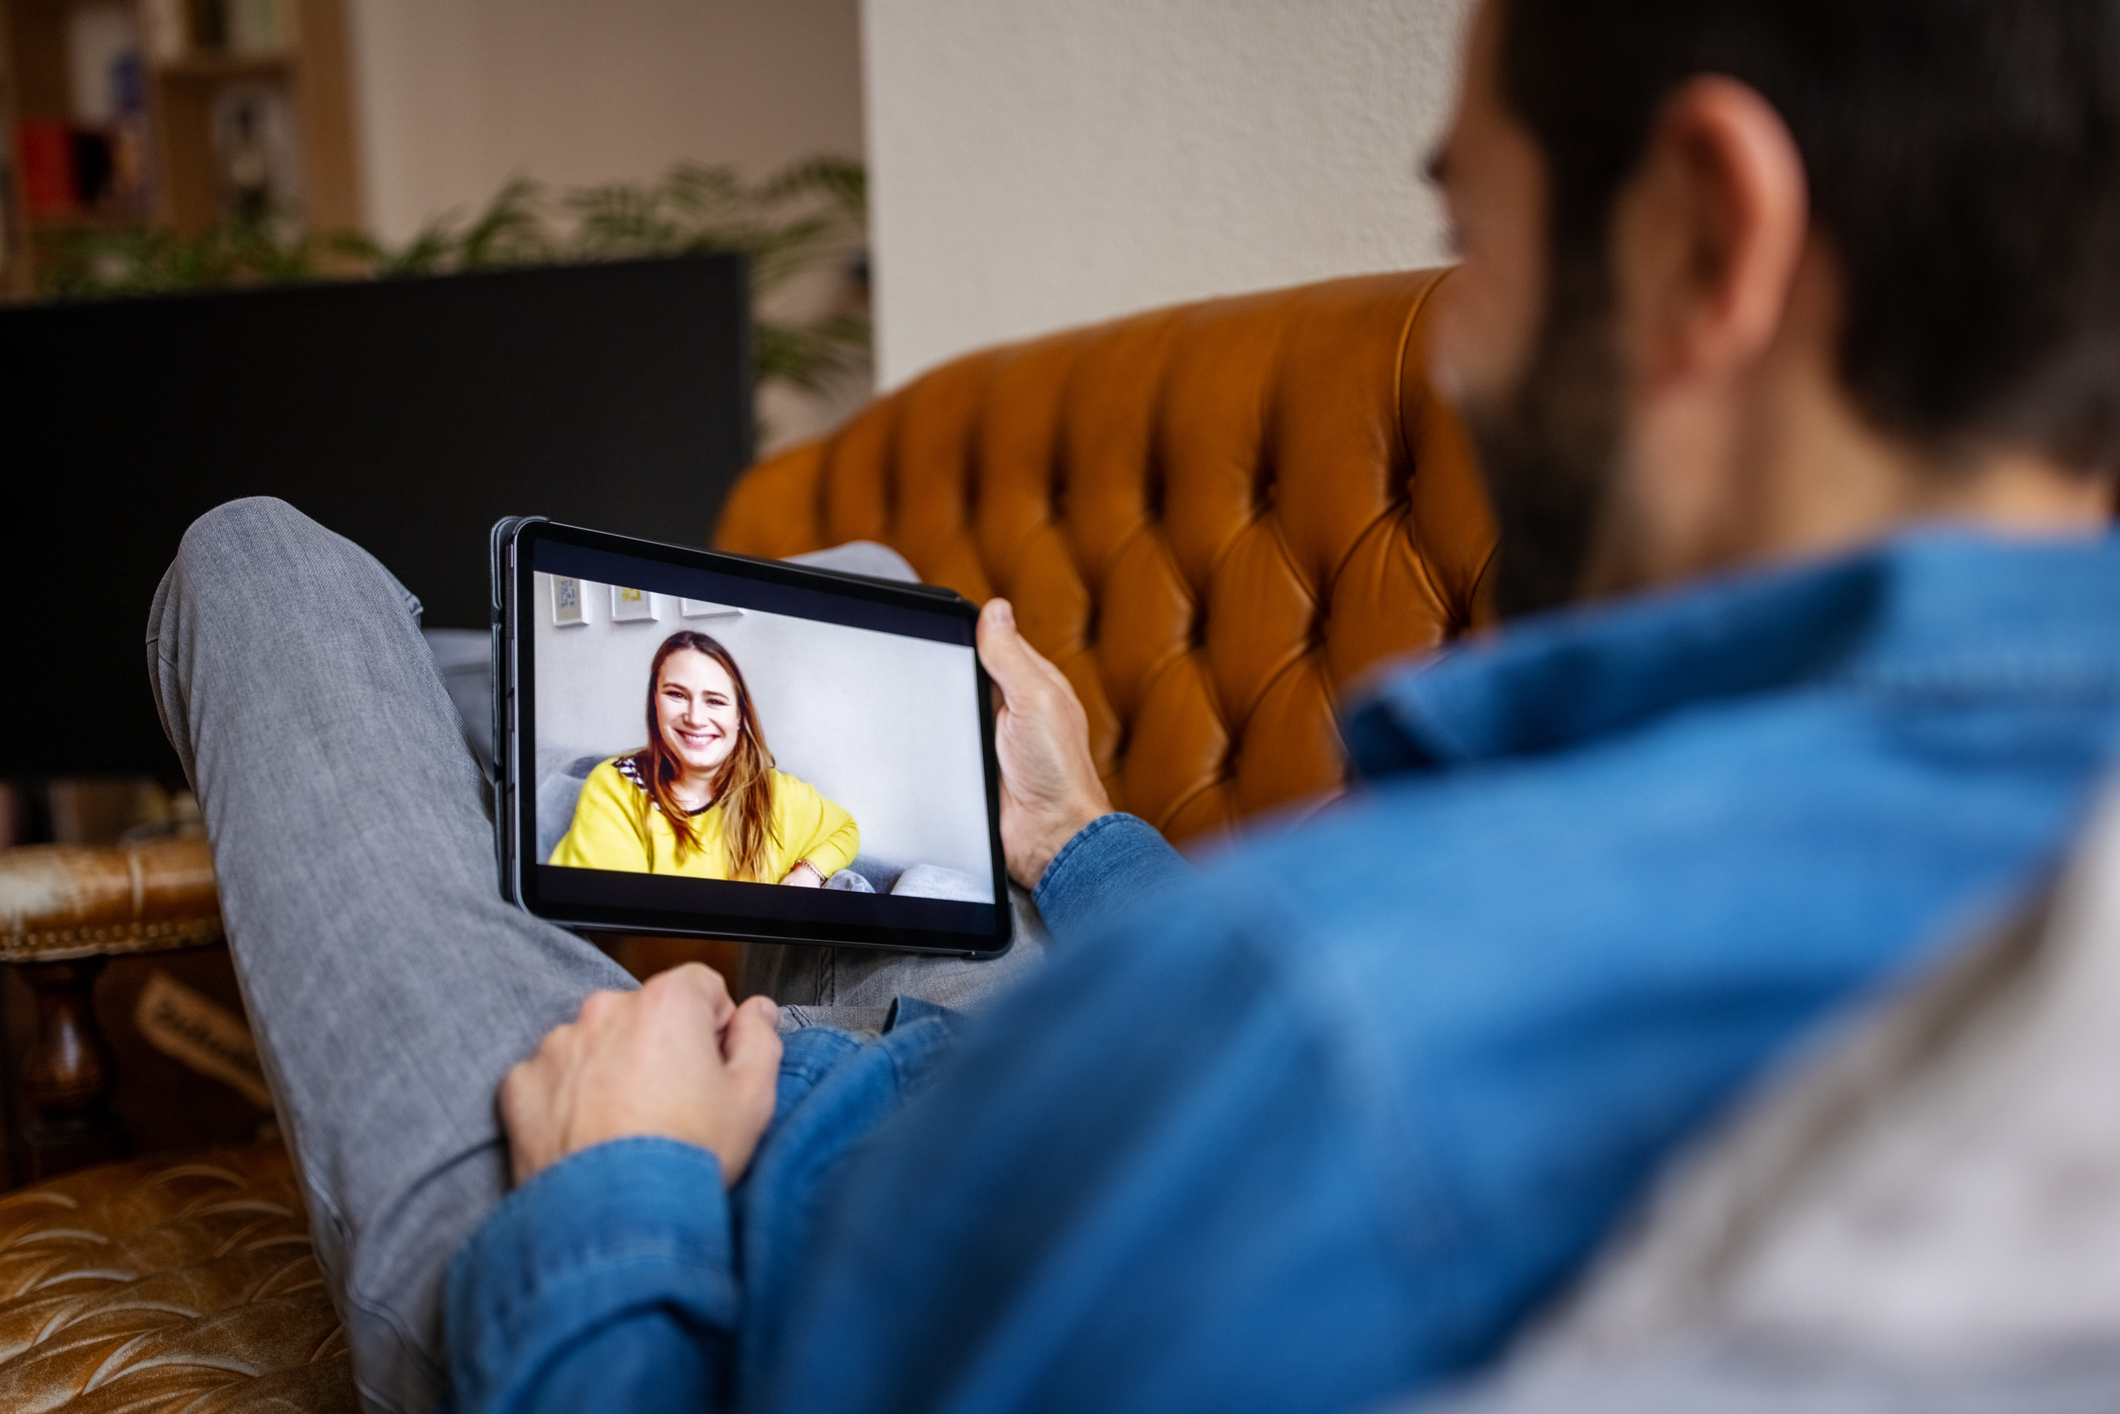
(702, 797)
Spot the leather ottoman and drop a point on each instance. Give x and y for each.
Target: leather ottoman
(159, 1285)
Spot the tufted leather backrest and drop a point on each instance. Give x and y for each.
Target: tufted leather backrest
(1213, 518)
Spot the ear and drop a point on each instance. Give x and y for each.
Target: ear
(1709, 233)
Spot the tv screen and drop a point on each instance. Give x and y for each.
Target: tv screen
(408, 415)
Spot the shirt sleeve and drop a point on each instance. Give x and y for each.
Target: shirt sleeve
(604, 1283)
(1136, 1188)
(819, 830)
(605, 833)
(1114, 861)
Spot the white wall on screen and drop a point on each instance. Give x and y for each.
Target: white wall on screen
(886, 726)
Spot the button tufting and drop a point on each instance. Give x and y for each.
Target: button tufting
(1278, 446)
(190, 1283)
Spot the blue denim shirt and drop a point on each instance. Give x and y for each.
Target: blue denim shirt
(1324, 1120)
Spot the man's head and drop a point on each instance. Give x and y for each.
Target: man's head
(1752, 278)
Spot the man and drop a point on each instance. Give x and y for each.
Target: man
(1789, 331)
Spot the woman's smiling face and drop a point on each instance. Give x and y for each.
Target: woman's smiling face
(696, 704)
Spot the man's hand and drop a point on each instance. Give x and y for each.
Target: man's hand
(677, 1059)
(1049, 785)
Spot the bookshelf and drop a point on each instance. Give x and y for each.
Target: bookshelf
(172, 113)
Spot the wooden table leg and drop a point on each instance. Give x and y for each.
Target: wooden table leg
(68, 1073)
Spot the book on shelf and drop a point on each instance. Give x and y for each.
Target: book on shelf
(107, 99)
(44, 154)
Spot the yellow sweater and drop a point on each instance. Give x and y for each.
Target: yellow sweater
(616, 826)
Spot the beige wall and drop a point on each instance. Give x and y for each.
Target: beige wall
(454, 97)
(1037, 164)
(1033, 164)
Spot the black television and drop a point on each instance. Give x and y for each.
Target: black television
(408, 415)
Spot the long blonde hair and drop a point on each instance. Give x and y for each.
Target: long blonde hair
(743, 787)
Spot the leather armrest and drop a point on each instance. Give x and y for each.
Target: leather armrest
(69, 901)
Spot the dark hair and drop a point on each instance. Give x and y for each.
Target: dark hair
(743, 787)
(1964, 166)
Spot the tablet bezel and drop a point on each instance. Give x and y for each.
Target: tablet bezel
(692, 910)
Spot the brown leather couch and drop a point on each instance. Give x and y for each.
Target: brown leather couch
(1213, 517)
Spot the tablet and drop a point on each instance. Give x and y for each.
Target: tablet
(710, 745)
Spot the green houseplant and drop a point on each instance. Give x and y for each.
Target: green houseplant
(799, 220)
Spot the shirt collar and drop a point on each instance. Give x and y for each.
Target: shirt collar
(1929, 611)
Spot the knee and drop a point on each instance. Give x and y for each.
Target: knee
(263, 540)
(252, 531)
(244, 520)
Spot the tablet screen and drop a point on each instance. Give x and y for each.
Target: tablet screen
(751, 750)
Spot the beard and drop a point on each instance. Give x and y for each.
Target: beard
(1550, 446)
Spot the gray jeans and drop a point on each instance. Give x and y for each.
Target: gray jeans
(389, 984)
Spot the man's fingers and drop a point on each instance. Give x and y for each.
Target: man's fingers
(1016, 668)
(753, 1041)
(698, 974)
(1029, 673)
(523, 1092)
(597, 1008)
(752, 1050)
(559, 1043)
(706, 987)
(651, 1062)
(515, 1086)
(751, 1061)
(523, 1105)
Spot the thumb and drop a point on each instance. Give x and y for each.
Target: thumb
(1014, 665)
